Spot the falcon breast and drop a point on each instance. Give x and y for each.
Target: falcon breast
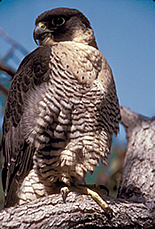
(61, 112)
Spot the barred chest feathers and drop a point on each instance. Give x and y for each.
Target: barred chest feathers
(64, 111)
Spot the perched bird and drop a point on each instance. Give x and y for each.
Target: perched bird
(61, 112)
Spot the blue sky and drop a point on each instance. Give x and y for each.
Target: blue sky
(125, 33)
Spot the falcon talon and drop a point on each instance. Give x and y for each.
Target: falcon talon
(109, 213)
(64, 192)
(61, 113)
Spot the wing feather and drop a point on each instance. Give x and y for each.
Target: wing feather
(17, 152)
(110, 109)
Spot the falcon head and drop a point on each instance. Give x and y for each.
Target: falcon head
(63, 24)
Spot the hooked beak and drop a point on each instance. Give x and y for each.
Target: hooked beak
(40, 35)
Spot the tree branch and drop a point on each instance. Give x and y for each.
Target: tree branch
(134, 207)
(10, 72)
(6, 69)
(79, 211)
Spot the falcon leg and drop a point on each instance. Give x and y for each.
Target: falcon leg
(85, 190)
(97, 198)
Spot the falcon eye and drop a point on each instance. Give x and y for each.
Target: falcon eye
(42, 26)
(58, 21)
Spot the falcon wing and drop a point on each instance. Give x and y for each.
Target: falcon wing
(33, 70)
(110, 111)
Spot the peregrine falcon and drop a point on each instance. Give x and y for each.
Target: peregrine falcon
(61, 112)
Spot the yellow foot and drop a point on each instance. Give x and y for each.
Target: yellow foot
(85, 190)
(98, 199)
(64, 192)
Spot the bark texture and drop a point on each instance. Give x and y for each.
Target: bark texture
(134, 207)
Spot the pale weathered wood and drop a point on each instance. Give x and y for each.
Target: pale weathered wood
(134, 207)
(78, 211)
(138, 178)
